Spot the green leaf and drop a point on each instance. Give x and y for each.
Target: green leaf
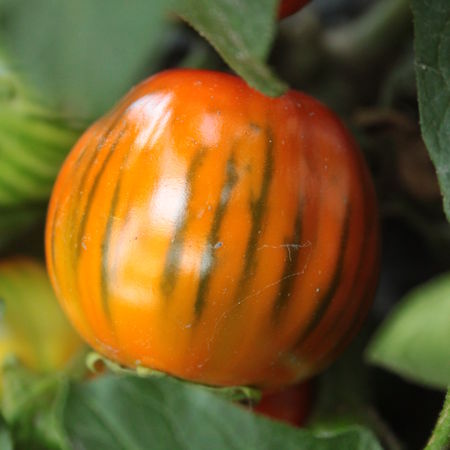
(414, 340)
(83, 54)
(116, 412)
(242, 32)
(440, 438)
(23, 390)
(32, 149)
(6, 442)
(31, 405)
(33, 145)
(234, 393)
(432, 41)
(33, 325)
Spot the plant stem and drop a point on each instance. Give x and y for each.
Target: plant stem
(368, 37)
(440, 438)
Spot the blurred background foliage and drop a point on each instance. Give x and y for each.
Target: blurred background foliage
(64, 63)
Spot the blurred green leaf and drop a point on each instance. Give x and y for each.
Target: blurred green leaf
(33, 145)
(242, 32)
(5, 437)
(414, 340)
(35, 328)
(32, 149)
(22, 390)
(83, 55)
(31, 406)
(432, 42)
(164, 413)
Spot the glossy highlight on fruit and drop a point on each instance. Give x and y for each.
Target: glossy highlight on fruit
(216, 234)
(289, 7)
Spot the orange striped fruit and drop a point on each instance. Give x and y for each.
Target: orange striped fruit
(208, 231)
(289, 7)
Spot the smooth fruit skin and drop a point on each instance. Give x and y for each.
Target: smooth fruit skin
(289, 7)
(213, 233)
